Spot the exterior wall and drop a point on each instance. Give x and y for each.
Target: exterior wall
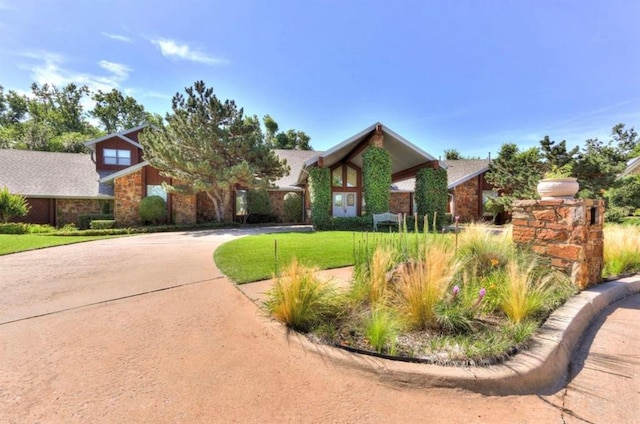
(568, 232)
(128, 193)
(467, 200)
(184, 208)
(400, 203)
(277, 203)
(67, 210)
(118, 144)
(205, 210)
(42, 211)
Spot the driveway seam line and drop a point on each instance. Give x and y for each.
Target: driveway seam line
(110, 300)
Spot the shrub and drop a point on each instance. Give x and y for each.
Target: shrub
(258, 202)
(616, 214)
(352, 223)
(432, 194)
(621, 249)
(40, 228)
(12, 205)
(299, 299)
(84, 220)
(13, 228)
(320, 191)
(153, 209)
(255, 218)
(292, 207)
(102, 224)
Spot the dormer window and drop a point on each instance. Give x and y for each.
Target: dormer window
(116, 157)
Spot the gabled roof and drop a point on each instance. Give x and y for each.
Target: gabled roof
(296, 160)
(110, 177)
(51, 175)
(458, 172)
(633, 167)
(121, 135)
(404, 154)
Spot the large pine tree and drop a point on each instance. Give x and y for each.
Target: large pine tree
(209, 146)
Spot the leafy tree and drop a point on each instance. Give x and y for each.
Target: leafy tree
(13, 107)
(626, 194)
(515, 174)
(12, 205)
(61, 108)
(599, 163)
(117, 112)
(209, 146)
(290, 140)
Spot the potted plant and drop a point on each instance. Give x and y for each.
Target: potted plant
(558, 183)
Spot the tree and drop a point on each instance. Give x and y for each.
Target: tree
(290, 140)
(12, 205)
(557, 155)
(626, 194)
(209, 146)
(13, 108)
(452, 154)
(599, 163)
(515, 174)
(61, 108)
(117, 112)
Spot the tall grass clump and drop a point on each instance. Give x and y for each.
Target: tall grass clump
(481, 249)
(371, 283)
(621, 249)
(299, 299)
(528, 288)
(423, 283)
(382, 328)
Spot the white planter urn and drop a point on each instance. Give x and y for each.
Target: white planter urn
(558, 188)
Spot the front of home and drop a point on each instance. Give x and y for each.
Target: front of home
(116, 174)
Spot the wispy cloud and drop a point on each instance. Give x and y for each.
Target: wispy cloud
(118, 37)
(176, 50)
(49, 67)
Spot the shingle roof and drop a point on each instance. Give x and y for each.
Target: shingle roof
(295, 160)
(633, 167)
(458, 171)
(51, 175)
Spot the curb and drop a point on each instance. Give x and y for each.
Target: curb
(543, 369)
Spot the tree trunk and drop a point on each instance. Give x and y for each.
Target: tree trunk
(216, 206)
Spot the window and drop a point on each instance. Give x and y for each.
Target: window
(116, 157)
(336, 177)
(157, 190)
(352, 177)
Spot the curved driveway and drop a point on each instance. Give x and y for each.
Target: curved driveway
(146, 329)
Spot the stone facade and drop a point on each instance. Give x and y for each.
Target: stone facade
(128, 195)
(67, 210)
(400, 203)
(568, 232)
(467, 200)
(206, 211)
(184, 209)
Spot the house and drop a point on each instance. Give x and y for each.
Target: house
(59, 186)
(633, 167)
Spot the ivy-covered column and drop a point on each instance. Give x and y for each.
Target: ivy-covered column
(376, 179)
(432, 194)
(320, 192)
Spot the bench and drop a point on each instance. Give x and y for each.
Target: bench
(386, 218)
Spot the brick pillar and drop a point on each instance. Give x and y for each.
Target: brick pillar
(568, 232)
(377, 139)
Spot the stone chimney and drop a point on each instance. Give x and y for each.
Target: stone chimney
(377, 139)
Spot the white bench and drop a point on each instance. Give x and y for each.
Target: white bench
(385, 218)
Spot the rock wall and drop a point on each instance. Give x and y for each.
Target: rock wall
(184, 208)
(67, 210)
(568, 232)
(400, 203)
(466, 197)
(127, 192)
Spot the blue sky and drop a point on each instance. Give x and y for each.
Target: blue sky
(469, 75)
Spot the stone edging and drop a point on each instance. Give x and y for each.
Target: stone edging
(542, 368)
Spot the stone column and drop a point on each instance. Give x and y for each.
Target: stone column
(568, 232)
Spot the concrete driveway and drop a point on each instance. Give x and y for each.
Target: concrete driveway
(146, 329)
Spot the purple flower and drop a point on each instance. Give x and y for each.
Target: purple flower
(456, 289)
(457, 218)
(482, 293)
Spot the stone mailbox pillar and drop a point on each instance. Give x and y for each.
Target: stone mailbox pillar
(566, 231)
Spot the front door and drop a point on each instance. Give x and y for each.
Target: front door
(344, 204)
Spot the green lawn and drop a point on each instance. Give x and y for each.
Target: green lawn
(253, 258)
(10, 243)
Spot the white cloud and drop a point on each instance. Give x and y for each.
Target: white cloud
(118, 37)
(50, 68)
(176, 50)
(120, 71)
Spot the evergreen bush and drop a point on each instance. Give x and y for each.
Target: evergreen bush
(153, 209)
(320, 188)
(432, 194)
(292, 207)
